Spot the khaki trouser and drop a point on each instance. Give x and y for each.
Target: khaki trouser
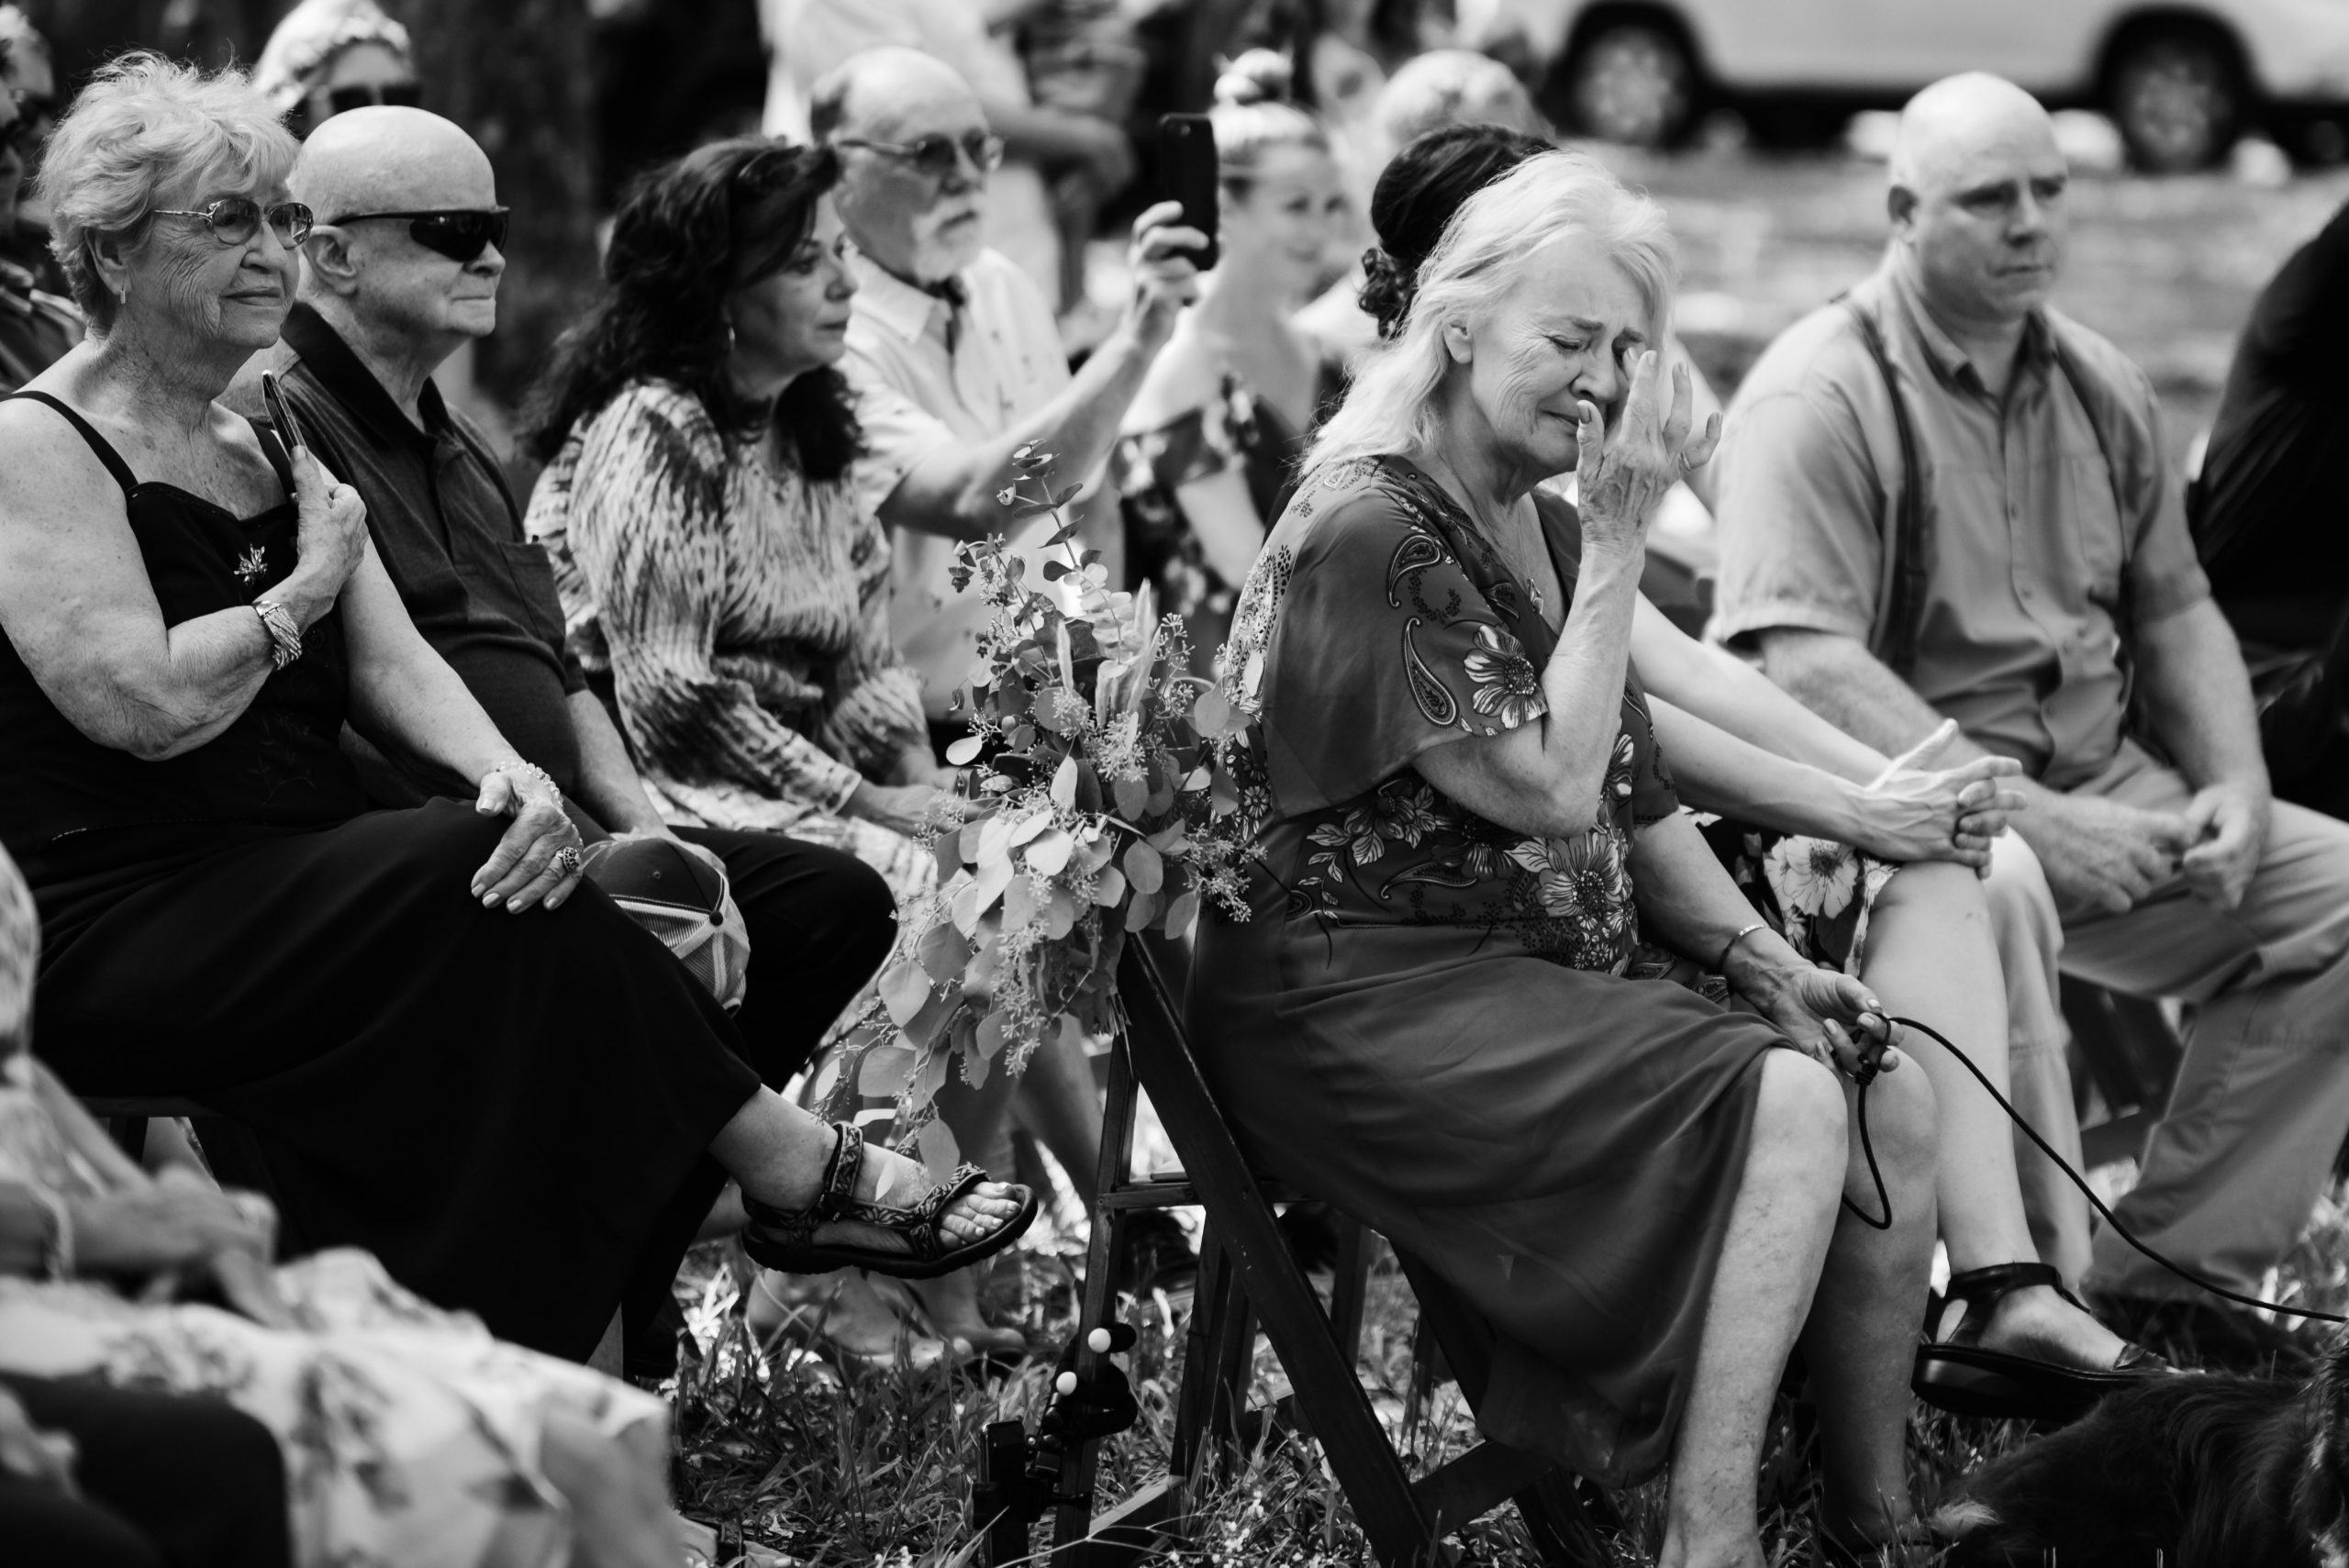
(2261, 1105)
(2030, 936)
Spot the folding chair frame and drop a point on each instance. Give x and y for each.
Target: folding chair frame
(1248, 1278)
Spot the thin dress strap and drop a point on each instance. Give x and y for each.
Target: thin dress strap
(98, 444)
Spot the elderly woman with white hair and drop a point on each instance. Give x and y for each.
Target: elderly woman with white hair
(1464, 828)
(450, 1052)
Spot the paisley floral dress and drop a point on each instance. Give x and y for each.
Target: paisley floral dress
(1428, 1019)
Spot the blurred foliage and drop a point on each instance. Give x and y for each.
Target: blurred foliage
(517, 75)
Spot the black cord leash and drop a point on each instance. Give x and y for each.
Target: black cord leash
(1869, 1067)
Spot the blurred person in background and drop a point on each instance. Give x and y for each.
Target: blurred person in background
(1211, 441)
(327, 56)
(2057, 611)
(38, 322)
(1442, 87)
(2267, 517)
(810, 38)
(29, 81)
(957, 365)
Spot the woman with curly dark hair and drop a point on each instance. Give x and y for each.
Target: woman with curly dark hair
(713, 562)
(716, 569)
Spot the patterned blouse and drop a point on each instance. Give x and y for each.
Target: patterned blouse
(1151, 466)
(1377, 623)
(743, 613)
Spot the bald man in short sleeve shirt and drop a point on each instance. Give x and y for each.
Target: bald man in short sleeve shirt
(2063, 622)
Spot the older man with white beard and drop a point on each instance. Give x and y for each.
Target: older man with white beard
(966, 343)
(962, 335)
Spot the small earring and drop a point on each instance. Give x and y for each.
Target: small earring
(729, 333)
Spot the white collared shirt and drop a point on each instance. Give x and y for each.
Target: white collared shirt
(915, 397)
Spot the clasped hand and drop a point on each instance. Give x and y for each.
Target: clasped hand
(528, 866)
(1620, 478)
(1915, 812)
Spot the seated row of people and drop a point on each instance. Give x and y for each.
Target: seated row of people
(720, 507)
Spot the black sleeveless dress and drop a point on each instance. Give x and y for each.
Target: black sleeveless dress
(512, 1111)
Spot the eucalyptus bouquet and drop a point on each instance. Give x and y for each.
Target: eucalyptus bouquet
(1100, 806)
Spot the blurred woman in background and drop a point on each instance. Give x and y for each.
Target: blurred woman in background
(1212, 439)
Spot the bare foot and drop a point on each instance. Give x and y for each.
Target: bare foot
(849, 1314)
(950, 1304)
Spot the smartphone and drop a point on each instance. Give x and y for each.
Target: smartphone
(1188, 173)
(281, 416)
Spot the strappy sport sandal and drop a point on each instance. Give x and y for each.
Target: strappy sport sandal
(784, 1239)
(1959, 1375)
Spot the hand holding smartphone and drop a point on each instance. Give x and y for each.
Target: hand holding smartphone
(1188, 172)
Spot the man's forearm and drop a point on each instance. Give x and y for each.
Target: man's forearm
(2191, 678)
(608, 785)
(1841, 682)
(952, 493)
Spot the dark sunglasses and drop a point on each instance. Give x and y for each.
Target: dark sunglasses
(342, 100)
(39, 107)
(234, 220)
(459, 234)
(939, 155)
(23, 133)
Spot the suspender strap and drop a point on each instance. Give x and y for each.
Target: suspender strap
(98, 444)
(1908, 535)
(1908, 540)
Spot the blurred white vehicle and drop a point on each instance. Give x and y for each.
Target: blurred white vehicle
(2180, 78)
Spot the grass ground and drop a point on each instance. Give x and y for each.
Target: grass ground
(873, 1469)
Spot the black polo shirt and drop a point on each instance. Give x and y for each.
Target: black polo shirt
(2268, 513)
(449, 534)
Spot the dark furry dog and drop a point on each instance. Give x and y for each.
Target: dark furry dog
(2197, 1471)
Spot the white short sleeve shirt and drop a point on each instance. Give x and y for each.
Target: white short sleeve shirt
(915, 397)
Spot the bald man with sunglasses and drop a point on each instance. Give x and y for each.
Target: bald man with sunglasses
(400, 270)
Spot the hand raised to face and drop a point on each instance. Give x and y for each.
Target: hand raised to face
(1623, 477)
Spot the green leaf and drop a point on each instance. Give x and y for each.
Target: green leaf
(1054, 570)
(1062, 497)
(943, 950)
(1131, 794)
(1181, 913)
(904, 989)
(1065, 784)
(1213, 715)
(1143, 867)
(965, 751)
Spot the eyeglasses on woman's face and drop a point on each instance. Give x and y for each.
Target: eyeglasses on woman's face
(938, 155)
(459, 233)
(234, 220)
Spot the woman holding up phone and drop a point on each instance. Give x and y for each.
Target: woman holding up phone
(1211, 440)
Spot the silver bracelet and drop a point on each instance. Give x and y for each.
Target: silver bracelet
(284, 632)
(1720, 965)
(536, 772)
(57, 1243)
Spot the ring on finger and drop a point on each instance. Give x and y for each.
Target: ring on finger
(567, 859)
